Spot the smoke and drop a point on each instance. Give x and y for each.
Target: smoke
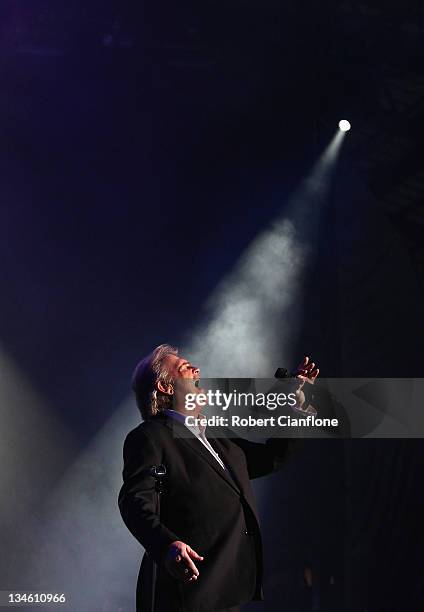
(34, 450)
(255, 313)
(80, 543)
(80, 546)
(241, 337)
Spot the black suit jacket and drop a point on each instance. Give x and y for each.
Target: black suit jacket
(210, 509)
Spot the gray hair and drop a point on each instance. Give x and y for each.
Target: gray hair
(147, 373)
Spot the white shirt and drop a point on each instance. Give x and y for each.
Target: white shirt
(199, 432)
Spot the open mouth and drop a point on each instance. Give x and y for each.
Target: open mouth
(197, 383)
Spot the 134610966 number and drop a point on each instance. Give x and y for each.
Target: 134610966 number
(23, 598)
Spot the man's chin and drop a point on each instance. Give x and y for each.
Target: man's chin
(197, 388)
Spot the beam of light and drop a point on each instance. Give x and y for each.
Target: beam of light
(35, 447)
(344, 125)
(81, 544)
(99, 559)
(254, 314)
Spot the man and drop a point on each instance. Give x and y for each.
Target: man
(203, 548)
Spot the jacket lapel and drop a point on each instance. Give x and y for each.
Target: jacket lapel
(222, 452)
(181, 432)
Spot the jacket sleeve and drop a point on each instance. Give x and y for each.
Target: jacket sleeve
(137, 497)
(263, 459)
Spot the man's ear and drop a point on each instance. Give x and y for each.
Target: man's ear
(163, 388)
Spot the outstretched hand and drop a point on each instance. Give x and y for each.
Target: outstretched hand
(178, 561)
(307, 372)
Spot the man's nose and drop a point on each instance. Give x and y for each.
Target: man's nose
(196, 370)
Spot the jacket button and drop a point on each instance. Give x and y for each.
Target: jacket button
(246, 532)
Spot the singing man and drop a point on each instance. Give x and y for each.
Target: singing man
(203, 549)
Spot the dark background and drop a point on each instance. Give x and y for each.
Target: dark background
(143, 146)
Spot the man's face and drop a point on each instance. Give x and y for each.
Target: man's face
(186, 378)
(179, 367)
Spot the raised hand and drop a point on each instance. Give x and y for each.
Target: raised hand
(306, 371)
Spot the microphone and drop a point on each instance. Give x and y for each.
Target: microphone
(282, 373)
(158, 472)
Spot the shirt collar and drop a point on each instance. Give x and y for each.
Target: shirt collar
(178, 416)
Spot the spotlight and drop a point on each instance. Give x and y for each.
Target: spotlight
(344, 125)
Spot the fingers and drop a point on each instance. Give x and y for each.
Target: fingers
(315, 373)
(190, 565)
(303, 368)
(307, 371)
(193, 554)
(302, 365)
(179, 562)
(187, 569)
(307, 366)
(181, 571)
